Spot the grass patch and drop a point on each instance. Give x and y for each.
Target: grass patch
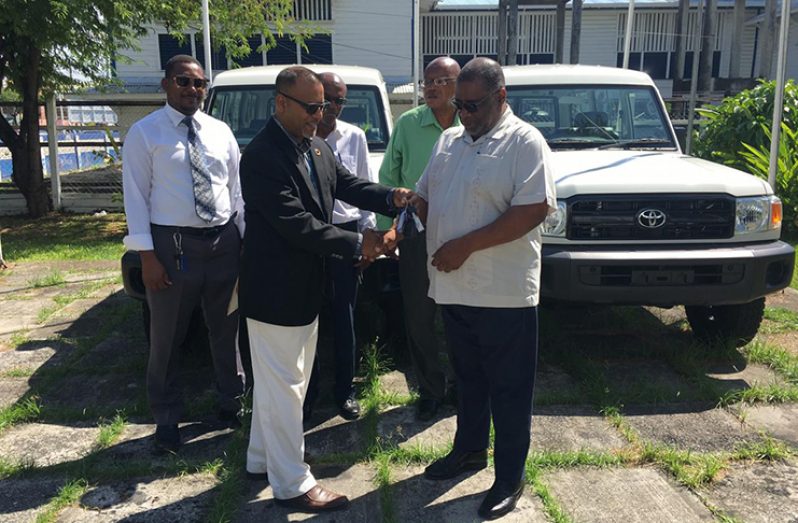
(110, 431)
(780, 320)
(18, 372)
(50, 280)
(27, 409)
(230, 472)
(62, 236)
(8, 469)
(553, 509)
(768, 449)
(774, 357)
(383, 482)
(772, 393)
(18, 338)
(69, 494)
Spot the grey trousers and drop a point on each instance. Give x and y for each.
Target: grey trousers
(423, 342)
(209, 274)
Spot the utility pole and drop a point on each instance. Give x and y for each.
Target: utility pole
(707, 47)
(501, 29)
(512, 33)
(576, 30)
(681, 38)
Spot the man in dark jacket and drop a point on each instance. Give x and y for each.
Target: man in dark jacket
(290, 179)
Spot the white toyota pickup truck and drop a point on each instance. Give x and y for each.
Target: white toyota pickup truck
(639, 222)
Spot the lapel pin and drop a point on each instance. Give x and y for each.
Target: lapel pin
(317, 151)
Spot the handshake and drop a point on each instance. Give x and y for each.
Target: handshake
(377, 243)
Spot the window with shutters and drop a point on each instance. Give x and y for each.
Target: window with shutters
(169, 46)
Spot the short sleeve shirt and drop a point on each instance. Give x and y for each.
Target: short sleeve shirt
(469, 184)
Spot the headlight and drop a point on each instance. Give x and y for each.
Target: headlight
(554, 224)
(758, 214)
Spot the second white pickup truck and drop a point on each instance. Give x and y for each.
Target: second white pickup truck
(639, 222)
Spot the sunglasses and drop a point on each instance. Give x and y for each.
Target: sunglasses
(471, 107)
(185, 81)
(311, 109)
(337, 101)
(438, 82)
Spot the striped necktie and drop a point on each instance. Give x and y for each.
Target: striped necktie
(201, 177)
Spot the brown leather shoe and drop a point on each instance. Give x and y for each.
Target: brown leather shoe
(317, 499)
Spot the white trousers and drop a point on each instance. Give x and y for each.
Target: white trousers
(282, 360)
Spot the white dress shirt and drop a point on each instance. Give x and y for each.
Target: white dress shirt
(156, 174)
(348, 142)
(468, 184)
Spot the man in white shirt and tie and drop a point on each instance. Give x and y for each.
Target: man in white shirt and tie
(185, 218)
(349, 145)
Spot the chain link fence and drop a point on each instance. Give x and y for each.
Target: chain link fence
(88, 139)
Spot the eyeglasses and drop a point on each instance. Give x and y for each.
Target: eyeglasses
(185, 81)
(471, 107)
(311, 109)
(438, 82)
(337, 101)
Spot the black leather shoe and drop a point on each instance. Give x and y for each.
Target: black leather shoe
(500, 500)
(167, 438)
(455, 463)
(350, 410)
(229, 419)
(427, 408)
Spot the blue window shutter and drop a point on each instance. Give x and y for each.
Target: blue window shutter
(255, 57)
(218, 57)
(319, 50)
(169, 46)
(283, 53)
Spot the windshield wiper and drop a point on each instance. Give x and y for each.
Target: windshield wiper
(638, 142)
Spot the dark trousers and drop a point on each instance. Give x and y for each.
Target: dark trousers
(494, 355)
(344, 278)
(419, 310)
(208, 276)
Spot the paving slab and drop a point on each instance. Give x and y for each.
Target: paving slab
(758, 492)
(44, 445)
(25, 317)
(670, 316)
(645, 381)
(356, 482)
(33, 354)
(455, 500)
(200, 441)
(694, 427)
(182, 499)
(399, 426)
(730, 377)
(22, 500)
(786, 299)
(11, 390)
(395, 382)
(81, 391)
(554, 386)
(568, 428)
(639, 495)
(117, 350)
(780, 421)
(333, 434)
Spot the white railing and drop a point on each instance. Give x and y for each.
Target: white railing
(655, 31)
(312, 10)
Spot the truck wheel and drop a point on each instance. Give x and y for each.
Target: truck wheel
(736, 324)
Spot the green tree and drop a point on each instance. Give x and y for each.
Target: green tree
(740, 118)
(44, 44)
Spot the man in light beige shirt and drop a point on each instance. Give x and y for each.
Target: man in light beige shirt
(486, 190)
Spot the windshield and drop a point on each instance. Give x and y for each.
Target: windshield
(593, 115)
(246, 110)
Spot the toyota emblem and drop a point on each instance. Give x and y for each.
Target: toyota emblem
(651, 218)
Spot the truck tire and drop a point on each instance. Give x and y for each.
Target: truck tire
(735, 324)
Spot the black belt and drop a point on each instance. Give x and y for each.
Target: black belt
(202, 232)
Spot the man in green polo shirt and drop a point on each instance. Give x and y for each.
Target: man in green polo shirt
(407, 155)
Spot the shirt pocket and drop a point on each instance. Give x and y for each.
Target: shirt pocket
(436, 170)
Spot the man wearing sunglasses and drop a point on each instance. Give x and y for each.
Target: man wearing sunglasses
(290, 179)
(408, 152)
(184, 213)
(486, 190)
(349, 145)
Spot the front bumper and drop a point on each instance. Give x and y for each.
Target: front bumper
(717, 275)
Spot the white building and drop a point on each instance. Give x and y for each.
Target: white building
(379, 34)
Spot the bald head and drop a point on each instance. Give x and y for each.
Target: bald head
(483, 70)
(439, 77)
(335, 93)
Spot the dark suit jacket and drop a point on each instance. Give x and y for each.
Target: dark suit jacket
(288, 231)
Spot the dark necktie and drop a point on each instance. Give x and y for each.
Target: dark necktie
(201, 177)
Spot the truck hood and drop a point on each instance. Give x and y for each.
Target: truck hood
(635, 172)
